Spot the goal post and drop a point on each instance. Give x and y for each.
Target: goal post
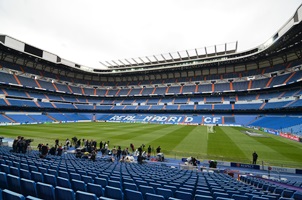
(210, 129)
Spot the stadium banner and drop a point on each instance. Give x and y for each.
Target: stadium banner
(271, 131)
(223, 163)
(290, 136)
(280, 169)
(212, 120)
(298, 171)
(159, 119)
(248, 166)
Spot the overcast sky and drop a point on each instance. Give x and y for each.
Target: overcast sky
(89, 31)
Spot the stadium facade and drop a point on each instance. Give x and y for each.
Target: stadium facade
(215, 85)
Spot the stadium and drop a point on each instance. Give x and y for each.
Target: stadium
(212, 103)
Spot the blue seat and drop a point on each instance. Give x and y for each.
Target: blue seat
(271, 188)
(13, 183)
(53, 172)
(116, 184)
(232, 192)
(183, 195)
(32, 198)
(183, 189)
(10, 195)
(146, 189)
(43, 170)
(220, 194)
(287, 193)
(63, 182)
(140, 182)
(45, 191)
(95, 189)
(166, 193)
(130, 186)
(297, 195)
(24, 166)
(78, 185)
(173, 188)
(106, 198)
(240, 197)
(75, 176)
(64, 193)
(132, 194)
(278, 190)
(50, 179)
(202, 197)
(154, 185)
(63, 174)
(115, 178)
(93, 175)
(81, 172)
(37, 176)
(203, 192)
(14, 171)
(25, 174)
(103, 176)
(80, 195)
(28, 187)
(33, 168)
(270, 197)
(101, 181)
(5, 168)
(3, 180)
(259, 198)
(114, 193)
(87, 179)
(153, 197)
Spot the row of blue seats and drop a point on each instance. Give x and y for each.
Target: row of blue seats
(28, 81)
(282, 189)
(201, 88)
(208, 99)
(184, 107)
(77, 174)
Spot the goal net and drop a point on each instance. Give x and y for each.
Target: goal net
(210, 129)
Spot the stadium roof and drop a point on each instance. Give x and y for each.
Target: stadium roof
(176, 60)
(223, 49)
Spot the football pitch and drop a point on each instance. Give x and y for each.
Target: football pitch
(176, 141)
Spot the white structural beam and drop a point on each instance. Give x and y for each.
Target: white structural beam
(163, 57)
(141, 60)
(188, 54)
(115, 63)
(109, 63)
(103, 64)
(122, 62)
(171, 57)
(179, 55)
(134, 61)
(148, 59)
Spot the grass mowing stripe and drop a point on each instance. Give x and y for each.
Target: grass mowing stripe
(147, 138)
(249, 144)
(194, 144)
(284, 148)
(171, 139)
(274, 150)
(142, 131)
(222, 147)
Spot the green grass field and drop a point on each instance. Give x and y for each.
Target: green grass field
(228, 143)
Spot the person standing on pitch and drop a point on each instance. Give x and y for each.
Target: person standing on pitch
(255, 157)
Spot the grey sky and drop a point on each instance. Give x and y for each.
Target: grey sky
(90, 31)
